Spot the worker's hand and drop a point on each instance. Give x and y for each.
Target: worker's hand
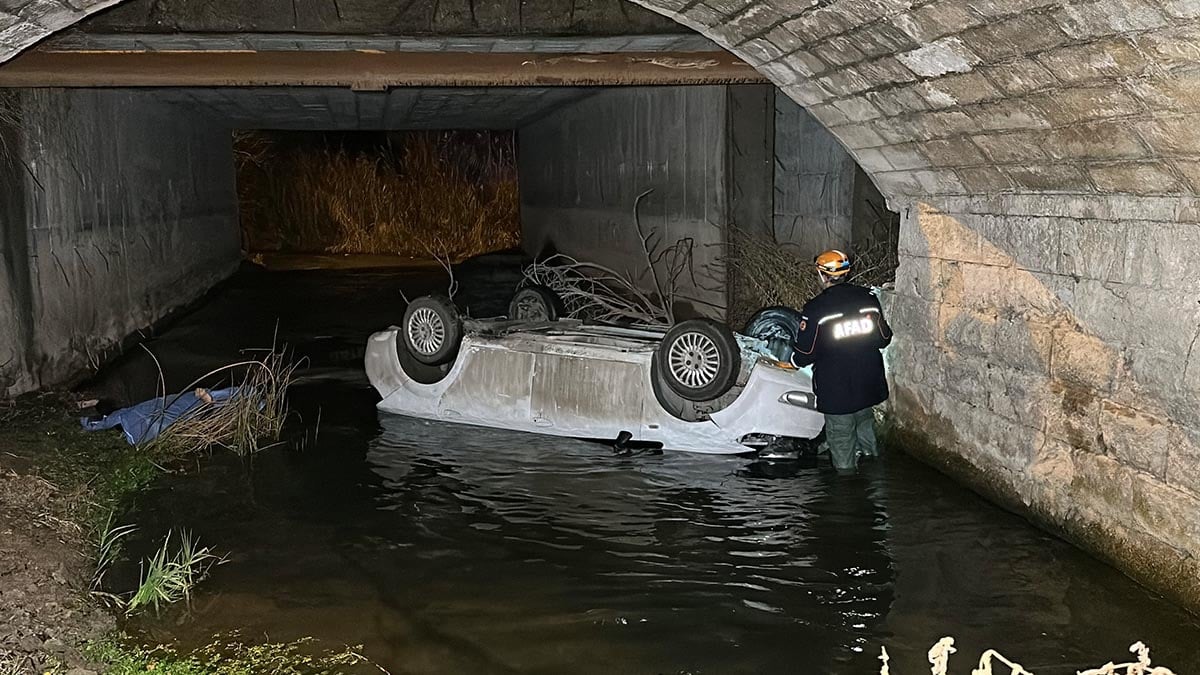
(203, 395)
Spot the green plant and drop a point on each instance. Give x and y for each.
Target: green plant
(107, 544)
(167, 578)
(229, 655)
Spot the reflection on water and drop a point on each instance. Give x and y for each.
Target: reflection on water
(451, 549)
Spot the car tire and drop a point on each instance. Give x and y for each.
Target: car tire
(778, 326)
(432, 329)
(416, 371)
(698, 359)
(535, 303)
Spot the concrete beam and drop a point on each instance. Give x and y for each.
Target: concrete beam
(369, 71)
(76, 40)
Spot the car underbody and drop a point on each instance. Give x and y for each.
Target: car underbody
(567, 378)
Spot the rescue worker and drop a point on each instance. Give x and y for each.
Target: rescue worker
(842, 332)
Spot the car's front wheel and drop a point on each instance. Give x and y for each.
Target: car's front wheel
(432, 329)
(698, 359)
(535, 303)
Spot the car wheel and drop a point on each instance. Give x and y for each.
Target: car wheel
(769, 322)
(778, 327)
(535, 303)
(418, 372)
(698, 359)
(432, 329)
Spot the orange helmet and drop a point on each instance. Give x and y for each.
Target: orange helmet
(833, 263)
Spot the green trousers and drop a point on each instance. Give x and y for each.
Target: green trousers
(850, 436)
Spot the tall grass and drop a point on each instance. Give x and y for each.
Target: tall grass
(247, 422)
(434, 194)
(107, 543)
(170, 577)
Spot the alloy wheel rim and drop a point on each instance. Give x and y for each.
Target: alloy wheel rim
(694, 360)
(426, 331)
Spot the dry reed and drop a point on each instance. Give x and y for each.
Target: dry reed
(252, 417)
(595, 292)
(774, 273)
(10, 122)
(436, 194)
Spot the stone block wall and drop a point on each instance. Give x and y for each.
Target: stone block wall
(1048, 353)
(26, 21)
(1047, 284)
(976, 97)
(121, 210)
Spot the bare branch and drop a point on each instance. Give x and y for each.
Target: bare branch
(438, 253)
(593, 291)
(647, 248)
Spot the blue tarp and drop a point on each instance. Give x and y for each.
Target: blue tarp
(143, 422)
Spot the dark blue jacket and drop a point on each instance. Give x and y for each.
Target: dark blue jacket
(842, 331)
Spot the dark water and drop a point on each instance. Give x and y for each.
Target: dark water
(451, 549)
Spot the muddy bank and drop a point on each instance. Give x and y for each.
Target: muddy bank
(46, 561)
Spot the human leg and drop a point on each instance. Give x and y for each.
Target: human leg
(866, 443)
(840, 435)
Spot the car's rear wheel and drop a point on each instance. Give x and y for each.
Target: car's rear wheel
(698, 359)
(535, 303)
(432, 329)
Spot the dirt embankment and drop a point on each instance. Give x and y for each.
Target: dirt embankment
(46, 610)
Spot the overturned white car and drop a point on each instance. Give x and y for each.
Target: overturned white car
(696, 386)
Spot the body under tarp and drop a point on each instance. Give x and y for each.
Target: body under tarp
(143, 422)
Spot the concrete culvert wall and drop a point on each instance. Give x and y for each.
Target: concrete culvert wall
(1046, 156)
(578, 188)
(116, 210)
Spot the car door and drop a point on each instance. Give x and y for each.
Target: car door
(587, 390)
(491, 383)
